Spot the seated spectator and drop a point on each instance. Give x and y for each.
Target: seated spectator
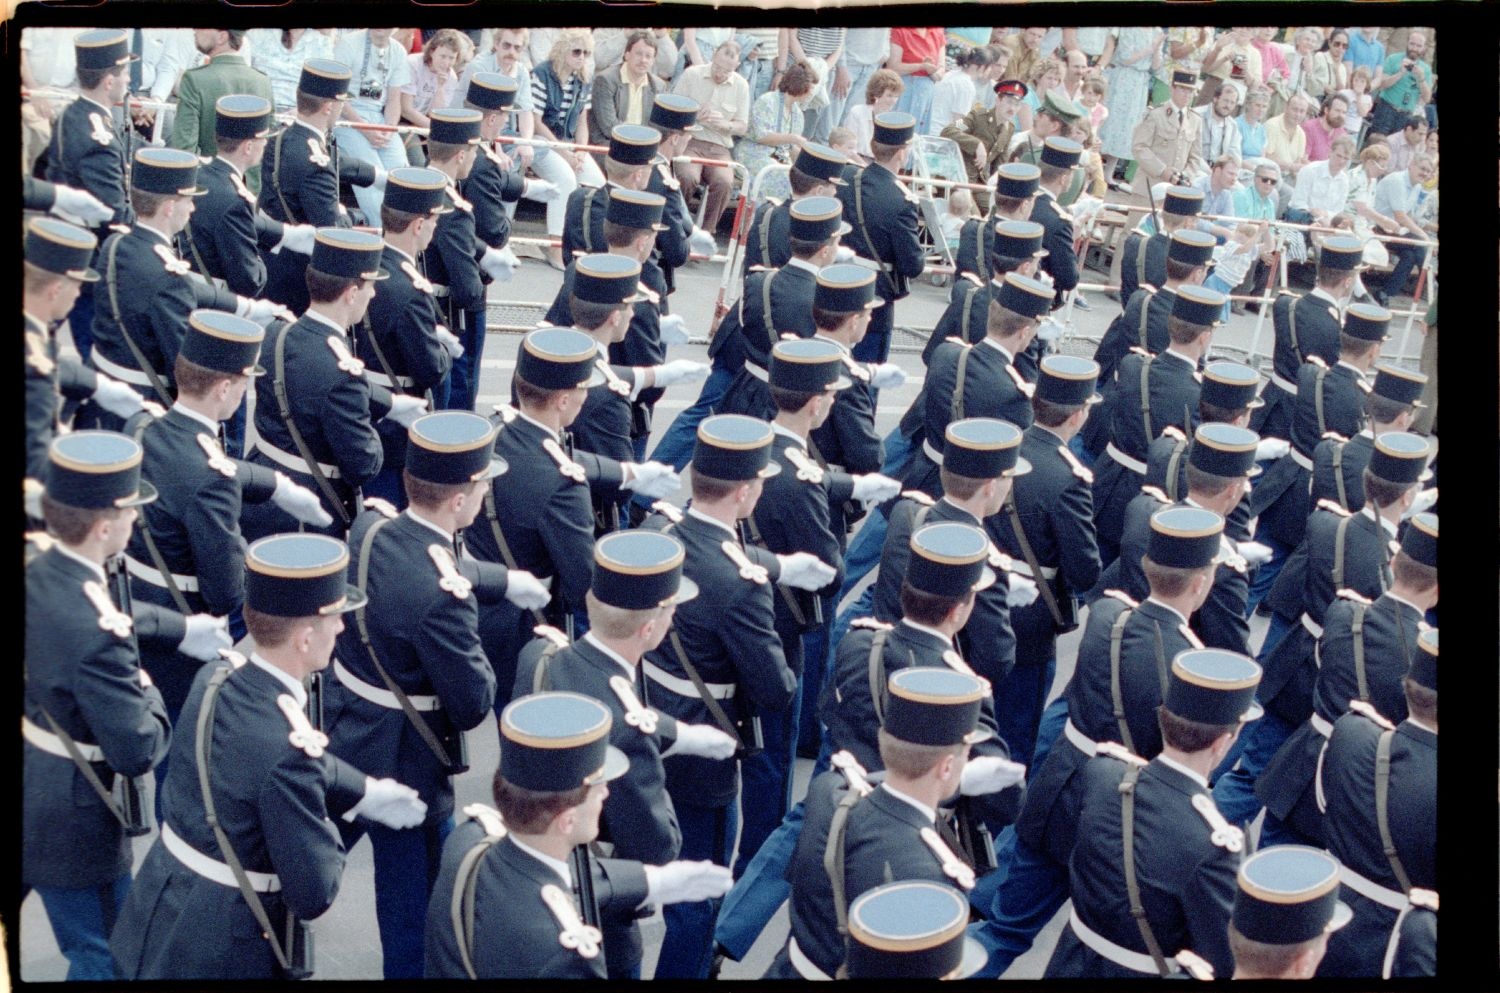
(953, 97)
(958, 207)
(1256, 200)
(609, 51)
(1274, 73)
(698, 46)
(1398, 196)
(1328, 72)
(1221, 131)
(842, 140)
(1359, 208)
(1252, 122)
(1047, 77)
(1218, 188)
(1328, 125)
(624, 94)
(279, 53)
(560, 94)
(776, 129)
(1322, 190)
(881, 94)
(1432, 149)
(1408, 142)
(379, 68)
(1402, 86)
(724, 97)
(1247, 243)
(431, 85)
(1232, 57)
(1286, 145)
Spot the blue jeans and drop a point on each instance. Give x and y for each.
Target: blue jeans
(916, 99)
(676, 445)
(815, 670)
(463, 378)
(766, 792)
(81, 921)
(687, 948)
(1234, 793)
(406, 866)
(859, 77)
(1214, 282)
(864, 551)
(1028, 888)
(1266, 572)
(391, 155)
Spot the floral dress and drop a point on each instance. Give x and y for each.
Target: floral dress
(772, 113)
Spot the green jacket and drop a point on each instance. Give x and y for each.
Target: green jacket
(197, 92)
(978, 125)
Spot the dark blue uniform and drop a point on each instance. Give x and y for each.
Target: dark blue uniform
(791, 290)
(969, 259)
(992, 387)
(228, 231)
(88, 153)
(451, 262)
(671, 251)
(49, 379)
(966, 317)
(1061, 261)
(1339, 470)
(488, 187)
(768, 241)
(1139, 269)
(1171, 450)
(1304, 326)
(1142, 326)
(298, 186)
(884, 217)
(583, 224)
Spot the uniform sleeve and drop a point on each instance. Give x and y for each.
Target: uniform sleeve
(447, 643)
(213, 530)
(454, 243)
(1142, 146)
(853, 423)
(1064, 263)
(41, 407)
(567, 530)
(748, 633)
(303, 845)
(127, 722)
(320, 198)
(257, 482)
(233, 232)
(1220, 622)
(100, 173)
(423, 357)
(347, 426)
(75, 380)
(1207, 905)
(639, 804)
(672, 244)
(909, 258)
(185, 125)
(158, 626)
(1073, 521)
(37, 194)
(620, 888)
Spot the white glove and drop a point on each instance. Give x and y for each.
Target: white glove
(205, 635)
(390, 803)
(1421, 503)
(449, 341)
(1253, 552)
(700, 242)
(32, 502)
(299, 501)
(673, 329)
(1022, 591)
(843, 254)
(500, 263)
(652, 479)
(405, 409)
(540, 190)
(526, 591)
(686, 882)
(380, 178)
(297, 238)
(872, 487)
(1049, 329)
(703, 741)
(1271, 449)
(680, 371)
(887, 375)
(262, 312)
(805, 571)
(1043, 277)
(81, 204)
(120, 399)
(990, 774)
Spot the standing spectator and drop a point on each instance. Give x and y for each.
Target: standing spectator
(1252, 123)
(1089, 42)
(199, 90)
(1186, 48)
(954, 96)
(380, 70)
(1076, 71)
(1322, 189)
(280, 52)
(1299, 61)
(1402, 86)
(1397, 196)
(431, 84)
(776, 129)
(1047, 78)
(762, 59)
(1133, 54)
(1221, 132)
(1168, 144)
(1361, 100)
(560, 93)
(1411, 140)
(1327, 126)
(1025, 49)
(1091, 99)
(984, 97)
(699, 45)
(1232, 57)
(1328, 72)
(624, 94)
(917, 56)
(1365, 50)
(826, 44)
(865, 51)
(881, 93)
(724, 97)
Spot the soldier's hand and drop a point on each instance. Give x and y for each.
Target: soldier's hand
(680, 371)
(651, 479)
(805, 571)
(673, 330)
(1422, 502)
(206, 634)
(540, 190)
(449, 341)
(686, 882)
(703, 741)
(405, 409)
(1049, 329)
(262, 312)
(1271, 449)
(298, 238)
(120, 399)
(1021, 590)
(872, 487)
(500, 263)
(843, 254)
(390, 803)
(81, 204)
(990, 774)
(526, 591)
(887, 375)
(299, 501)
(1253, 552)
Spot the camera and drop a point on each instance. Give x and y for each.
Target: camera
(1408, 65)
(372, 91)
(1237, 67)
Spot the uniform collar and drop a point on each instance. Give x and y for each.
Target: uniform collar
(842, 347)
(308, 127)
(88, 99)
(293, 686)
(324, 320)
(1181, 358)
(803, 264)
(92, 567)
(954, 506)
(610, 654)
(400, 252)
(143, 226)
(533, 421)
(448, 535)
(694, 512)
(1181, 769)
(1171, 610)
(1318, 291)
(232, 167)
(1046, 430)
(1369, 511)
(193, 415)
(1358, 372)
(787, 432)
(1420, 726)
(1403, 600)
(987, 340)
(931, 632)
(556, 865)
(921, 807)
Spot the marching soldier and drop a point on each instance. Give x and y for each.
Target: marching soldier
(1017, 185)
(1058, 160)
(984, 135)
(1380, 804)
(1168, 142)
(628, 166)
(1413, 946)
(246, 846)
(1393, 403)
(504, 905)
(1011, 246)
(93, 721)
(817, 171)
(1153, 871)
(1286, 907)
(675, 117)
(1143, 257)
(883, 215)
(316, 415)
(911, 931)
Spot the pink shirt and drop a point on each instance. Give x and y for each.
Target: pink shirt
(1319, 141)
(1272, 62)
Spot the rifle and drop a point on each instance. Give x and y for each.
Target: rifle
(583, 875)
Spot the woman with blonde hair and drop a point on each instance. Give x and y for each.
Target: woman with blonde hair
(560, 92)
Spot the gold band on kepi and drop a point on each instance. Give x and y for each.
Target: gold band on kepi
(735, 448)
(1424, 664)
(1224, 450)
(640, 570)
(1018, 240)
(1399, 385)
(608, 279)
(557, 742)
(1018, 180)
(559, 359)
(224, 343)
(166, 172)
(637, 209)
(1400, 457)
(1289, 894)
(1419, 542)
(675, 112)
(821, 162)
(1230, 386)
(454, 126)
(59, 247)
(453, 447)
(96, 470)
(1186, 538)
(844, 288)
(930, 705)
(102, 48)
(324, 78)
(633, 144)
(1067, 380)
(416, 190)
(912, 930)
(300, 575)
(817, 219)
(1024, 295)
(1213, 686)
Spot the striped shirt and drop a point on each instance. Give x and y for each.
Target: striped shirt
(820, 41)
(572, 87)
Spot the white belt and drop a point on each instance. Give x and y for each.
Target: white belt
(1394, 899)
(1019, 566)
(378, 696)
(757, 372)
(1084, 744)
(142, 571)
(1135, 961)
(1284, 384)
(134, 377)
(52, 744)
(1301, 459)
(932, 453)
(1312, 627)
(1321, 726)
(1134, 465)
(389, 382)
(212, 869)
(685, 687)
(804, 965)
(293, 462)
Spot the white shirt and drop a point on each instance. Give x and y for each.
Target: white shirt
(293, 686)
(51, 56)
(385, 70)
(1425, 727)
(952, 98)
(1317, 190)
(93, 567)
(867, 47)
(787, 432)
(556, 865)
(700, 515)
(1164, 606)
(925, 810)
(528, 418)
(1196, 777)
(1009, 358)
(448, 535)
(612, 655)
(1390, 529)
(1219, 138)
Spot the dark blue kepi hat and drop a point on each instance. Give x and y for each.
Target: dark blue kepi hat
(1423, 670)
(894, 128)
(1018, 180)
(1400, 385)
(1367, 322)
(606, 279)
(1067, 380)
(62, 248)
(983, 448)
(490, 91)
(223, 343)
(417, 191)
(949, 559)
(1018, 240)
(166, 171)
(1061, 153)
(1224, 450)
(300, 575)
(1230, 385)
(1185, 537)
(912, 930)
(1213, 686)
(97, 470)
(1400, 457)
(928, 705)
(844, 288)
(808, 365)
(1287, 895)
(347, 253)
(1199, 305)
(1023, 295)
(557, 742)
(640, 570)
(1419, 541)
(817, 219)
(734, 447)
(104, 48)
(633, 144)
(453, 447)
(675, 112)
(1191, 247)
(559, 359)
(241, 115)
(324, 78)
(821, 162)
(635, 208)
(454, 126)
(1183, 201)
(1341, 252)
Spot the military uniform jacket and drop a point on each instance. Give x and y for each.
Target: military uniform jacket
(88, 678)
(1169, 140)
(1416, 944)
(274, 801)
(88, 153)
(583, 224)
(642, 345)
(299, 185)
(965, 318)
(1060, 262)
(488, 186)
(885, 228)
(603, 424)
(1317, 333)
(1353, 836)
(452, 258)
(671, 250)
(968, 132)
(48, 377)
(769, 242)
(1168, 450)
(848, 439)
(792, 290)
(516, 935)
(992, 387)
(1187, 882)
(976, 240)
(228, 231)
(1126, 331)
(729, 634)
(1338, 470)
(1141, 272)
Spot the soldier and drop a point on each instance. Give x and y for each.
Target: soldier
(246, 845)
(675, 117)
(1059, 157)
(1152, 872)
(1285, 908)
(632, 150)
(1049, 525)
(817, 171)
(92, 716)
(1017, 185)
(1168, 142)
(504, 905)
(1380, 804)
(984, 136)
(911, 931)
(637, 586)
(82, 206)
(318, 421)
(1011, 246)
(1412, 950)
(1143, 255)
(884, 217)
(1393, 403)
(199, 89)
(843, 302)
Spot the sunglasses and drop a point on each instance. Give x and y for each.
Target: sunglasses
(579, 51)
(1265, 179)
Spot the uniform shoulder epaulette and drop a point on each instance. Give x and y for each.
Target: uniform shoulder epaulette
(575, 935)
(1156, 493)
(217, 460)
(381, 506)
(919, 497)
(316, 155)
(759, 268)
(234, 658)
(637, 714)
(1123, 597)
(170, 262)
(854, 773)
(348, 361)
(488, 817)
(1334, 436)
(668, 180)
(953, 867)
(973, 279)
(552, 634)
(1222, 833)
(954, 339)
(1333, 311)
(1080, 470)
(458, 200)
(1138, 350)
(1231, 557)
(1426, 899)
(998, 559)
(612, 379)
(491, 154)
(1354, 595)
(451, 581)
(111, 618)
(1333, 506)
(419, 281)
(670, 511)
(1365, 709)
(872, 624)
(303, 736)
(103, 133)
(1364, 385)
(749, 569)
(40, 540)
(808, 471)
(1150, 290)
(1190, 635)
(857, 369)
(1195, 965)
(1174, 432)
(569, 469)
(36, 354)
(1020, 380)
(1115, 750)
(651, 295)
(1317, 360)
